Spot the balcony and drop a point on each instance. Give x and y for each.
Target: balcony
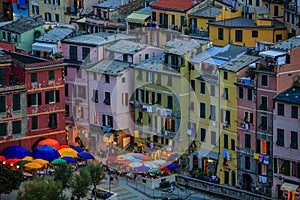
(268, 67)
(13, 87)
(71, 11)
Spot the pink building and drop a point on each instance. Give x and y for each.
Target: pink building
(286, 140)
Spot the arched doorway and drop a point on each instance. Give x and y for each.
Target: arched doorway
(34, 145)
(247, 182)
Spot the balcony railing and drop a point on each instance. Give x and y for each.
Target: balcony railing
(246, 81)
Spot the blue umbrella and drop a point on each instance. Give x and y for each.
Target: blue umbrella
(78, 149)
(137, 155)
(69, 159)
(15, 152)
(143, 168)
(136, 160)
(45, 152)
(172, 166)
(85, 155)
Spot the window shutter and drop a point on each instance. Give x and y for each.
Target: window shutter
(39, 98)
(58, 1)
(37, 10)
(57, 97)
(28, 100)
(47, 97)
(258, 146)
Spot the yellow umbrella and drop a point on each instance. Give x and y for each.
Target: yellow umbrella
(40, 161)
(33, 166)
(28, 158)
(68, 152)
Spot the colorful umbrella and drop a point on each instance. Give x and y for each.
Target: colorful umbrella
(45, 152)
(49, 142)
(159, 162)
(78, 149)
(137, 155)
(127, 157)
(15, 152)
(146, 158)
(135, 164)
(28, 158)
(12, 161)
(174, 155)
(58, 161)
(172, 166)
(85, 155)
(63, 147)
(69, 159)
(154, 171)
(68, 152)
(2, 158)
(111, 159)
(33, 166)
(22, 162)
(164, 169)
(150, 164)
(40, 161)
(143, 168)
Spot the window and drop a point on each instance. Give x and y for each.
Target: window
(264, 103)
(158, 100)
(48, 17)
(146, 56)
(280, 137)
(202, 134)
(85, 53)
(16, 102)
(79, 73)
(158, 79)
(247, 141)
(220, 34)
(2, 104)
(65, 71)
(255, 34)
(66, 90)
(225, 117)
(225, 94)
(149, 77)
(247, 162)
(170, 124)
(47, 1)
(57, 17)
(56, 2)
(202, 87)
(226, 177)
(51, 75)
(2, 76)
(81, 92)
(212, 90)
(125, 57)
(241, 92)
(170, 102)
(280, 107)
(192, 106)
(275, 11)
(95, 76)
(34, 99)
(52, 120)
(52, 96)
(95, 97)
(107, 80)
(226, 141)
(33, 77)
(294, 113)
(95, 118)
(125, 99)
(225, 75)
(154, 16)
(169, 81)
(193, 85)
(67, 110)
(107, 120)
(4, 35)
(34, 122)
(107, 98)
(278, 37)
(140, 75)
(2, 129)
(16, 127)
(294, 140)
(213, 138)
(232, 144)
(73, 53)
(150, 97)
(249, 95)
(239, 36)
(212, 115)
(202, 110)
(264, 80)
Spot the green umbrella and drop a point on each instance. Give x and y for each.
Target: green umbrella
(154, 171)
(58, 161)
(22, 162)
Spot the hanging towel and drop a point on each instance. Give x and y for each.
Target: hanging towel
(149, 108)
(261, 158)
(245, 8)
(256, 155)
(263, 179)
(266, 160)
(227, 155)
(223, 153)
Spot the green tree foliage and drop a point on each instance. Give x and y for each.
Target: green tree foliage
(96, 172)
(81, 183)
(9, 180)
(63, 173)
(42, 189)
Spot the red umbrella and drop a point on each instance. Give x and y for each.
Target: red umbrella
(111, 159)
(49, 142)
(164, 169)
(12, 161)
(146, 158)
(64, 146)
(2, 158)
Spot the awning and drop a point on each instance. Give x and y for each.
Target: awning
(272, 53)
(138, 18)
(44, 47)
(205, 153)
(289, 187)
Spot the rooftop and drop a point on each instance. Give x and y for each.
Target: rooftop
(22, 25)
(55, 35)
(113, 4)
(207, 12)
(176, 5)
(25, 59)
(241, 22)
(291, 95)
(263, 13)
(126, 47)
(288, 44)
(146, 10)
(109, 67)
(231, 52)
(208, 53)
(239, 63)
(181, 47)
(97, 39)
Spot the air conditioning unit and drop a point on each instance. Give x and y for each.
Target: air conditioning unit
(225, 124)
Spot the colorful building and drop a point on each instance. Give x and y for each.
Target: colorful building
(6, 10)
(20, 9)
(233, 28)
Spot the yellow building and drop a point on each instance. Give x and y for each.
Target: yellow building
(230, 28)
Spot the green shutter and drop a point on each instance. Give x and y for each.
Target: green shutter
(2, 76)
(16, 102)
(2, 104)
(2, 129)
(16, 127)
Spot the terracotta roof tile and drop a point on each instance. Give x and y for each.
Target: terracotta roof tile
(173, 4)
